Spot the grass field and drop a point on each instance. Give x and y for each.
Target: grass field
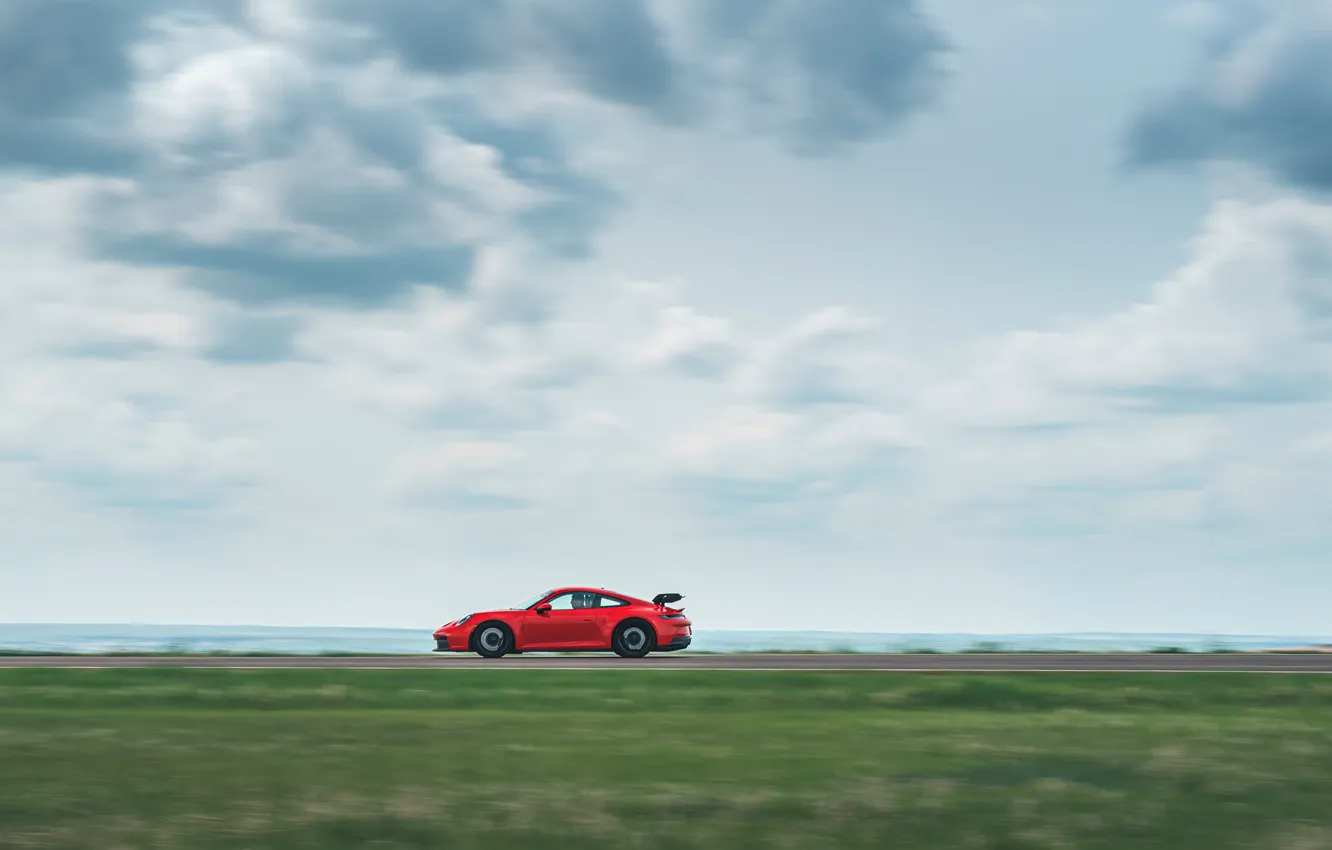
(655, 759)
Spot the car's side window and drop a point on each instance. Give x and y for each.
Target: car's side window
(570, 601)
(610, 602)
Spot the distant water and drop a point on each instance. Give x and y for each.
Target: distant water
(141, 638)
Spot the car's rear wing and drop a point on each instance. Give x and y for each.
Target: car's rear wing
(666, 598)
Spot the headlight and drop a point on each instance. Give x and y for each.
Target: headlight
(463, 620)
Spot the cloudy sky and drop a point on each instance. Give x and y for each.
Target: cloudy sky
(908, 315)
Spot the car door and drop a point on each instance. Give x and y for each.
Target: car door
(570, 623)
(610, 611)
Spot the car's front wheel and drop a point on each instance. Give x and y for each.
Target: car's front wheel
(633, 639)
(492, 640)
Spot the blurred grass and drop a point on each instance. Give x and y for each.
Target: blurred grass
(661, 759)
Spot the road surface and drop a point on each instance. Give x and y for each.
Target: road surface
(989, 662)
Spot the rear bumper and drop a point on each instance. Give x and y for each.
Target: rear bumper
(676, 643)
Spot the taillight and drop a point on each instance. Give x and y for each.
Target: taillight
(672, 616)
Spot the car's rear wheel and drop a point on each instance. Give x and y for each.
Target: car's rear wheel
(492, 640)
(633, 639)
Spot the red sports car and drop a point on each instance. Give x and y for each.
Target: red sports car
(572, 619)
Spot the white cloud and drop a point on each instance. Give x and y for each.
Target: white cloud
(1245, 321)
(125, 435)
(752, 468)
(831, 356)
(199, 81)
(1093, 476)
(463, 474)
(451, 363)
(563, 373)
(1133, 420)
(692, 343)
(102, 383)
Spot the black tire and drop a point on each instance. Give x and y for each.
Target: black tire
(492, 640)
(633, 639)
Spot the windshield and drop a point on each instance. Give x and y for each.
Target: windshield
(534, 600)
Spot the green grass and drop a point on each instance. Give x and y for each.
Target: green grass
(497, 759)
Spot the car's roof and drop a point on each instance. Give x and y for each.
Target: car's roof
(607, 591)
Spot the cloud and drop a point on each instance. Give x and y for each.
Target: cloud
(347, 153)
(123, 436)
(1126, 421)
(271, 168)
(1123, 473)
(806, 426)
(830, 357)
(1106, 422)
(253, 339)
(817, 74)
(1180, 414)
(106, 381)
(1244, 322)
(462, 475)
(449, 363)
(166, 364)
(281, 179)
(613, 51)
(1261, 98)
(691, 343)
(820, 74)
(372, 195)
(62, 64)
(1147, 418)
(753, 469)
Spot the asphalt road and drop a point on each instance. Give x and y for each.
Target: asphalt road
(993, 662)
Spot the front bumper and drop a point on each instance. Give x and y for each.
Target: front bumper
(442, 645)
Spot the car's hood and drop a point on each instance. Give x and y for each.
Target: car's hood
(477, 616)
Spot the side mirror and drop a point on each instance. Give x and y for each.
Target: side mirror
(543, 609)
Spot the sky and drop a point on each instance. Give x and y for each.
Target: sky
(915, 315)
